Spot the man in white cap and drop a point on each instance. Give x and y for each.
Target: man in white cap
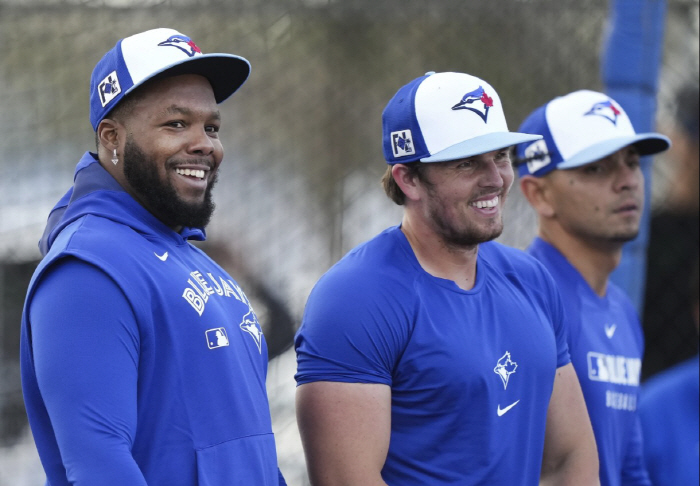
(136, 365)
(431, 355)
(584, 180)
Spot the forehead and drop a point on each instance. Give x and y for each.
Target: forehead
(188, 91)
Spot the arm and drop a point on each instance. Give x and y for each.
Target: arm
(570, 453)
(85, 348)
(345, 430)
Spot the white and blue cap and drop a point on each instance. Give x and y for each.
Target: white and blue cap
(578, 129)
(159, 53)
(445, 116)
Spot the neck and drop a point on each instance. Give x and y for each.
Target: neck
(595, 261)
(437, 257)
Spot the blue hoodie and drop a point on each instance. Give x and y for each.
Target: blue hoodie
(142, 359)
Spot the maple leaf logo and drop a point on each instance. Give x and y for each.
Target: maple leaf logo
(504, 368)
(194, 46)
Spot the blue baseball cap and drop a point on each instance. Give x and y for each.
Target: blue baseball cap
(578, 129)
(445, 116)
(159, 53)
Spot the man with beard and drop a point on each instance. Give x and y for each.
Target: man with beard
(136, 365)
(585, 182)
(430, 354)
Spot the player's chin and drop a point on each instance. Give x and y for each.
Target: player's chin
(623, 236)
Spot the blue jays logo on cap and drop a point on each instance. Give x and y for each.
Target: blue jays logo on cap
(478, 95)
(182, 42)
(606, 109)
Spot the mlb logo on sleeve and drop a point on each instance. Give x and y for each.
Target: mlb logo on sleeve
(402, 143)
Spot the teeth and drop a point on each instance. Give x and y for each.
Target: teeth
(486, 204)
(193, 173)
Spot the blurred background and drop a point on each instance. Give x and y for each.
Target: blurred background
(300, 179)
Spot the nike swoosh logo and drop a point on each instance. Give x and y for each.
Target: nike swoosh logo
(162, 257)
(610, 331)
(500, 411)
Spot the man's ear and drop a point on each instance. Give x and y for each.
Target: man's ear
(536, 191)
(407, 181)
(108, 134)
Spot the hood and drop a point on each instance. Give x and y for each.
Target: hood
(96, 192)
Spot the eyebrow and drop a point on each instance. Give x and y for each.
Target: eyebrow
(180, 110)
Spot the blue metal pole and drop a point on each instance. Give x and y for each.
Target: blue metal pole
(630, 68)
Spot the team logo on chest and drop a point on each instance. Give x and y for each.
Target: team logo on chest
(504, 368)
(251, 325)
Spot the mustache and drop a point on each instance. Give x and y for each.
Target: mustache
(198, 161)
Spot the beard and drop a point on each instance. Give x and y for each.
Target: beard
(159, 196)
(456, 235)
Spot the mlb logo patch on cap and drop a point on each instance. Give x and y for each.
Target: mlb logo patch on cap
(159, 53)
(578, 129)
(445, 116)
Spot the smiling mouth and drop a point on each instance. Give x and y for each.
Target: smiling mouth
(196, 173)
(490, 203)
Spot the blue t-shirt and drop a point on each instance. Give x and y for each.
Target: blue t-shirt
(471, 371)
(606, 345)
(669, 411)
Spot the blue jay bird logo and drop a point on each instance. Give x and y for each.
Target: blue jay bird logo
(251, 326)
(504, 368)
(605, 109)
(184, 43)
(476, 101)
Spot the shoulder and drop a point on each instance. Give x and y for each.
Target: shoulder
(683, 376)
(96, 236)
(371, 289)
(377, 266)
(514, 262)
(113, 249)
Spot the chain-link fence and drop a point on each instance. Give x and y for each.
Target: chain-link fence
(299, 185)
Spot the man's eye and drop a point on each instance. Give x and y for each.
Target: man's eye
(592, 169)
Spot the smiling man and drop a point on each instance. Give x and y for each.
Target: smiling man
(431, 355)
(585, 182)
(142, 359)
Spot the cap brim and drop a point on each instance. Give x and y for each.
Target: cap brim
(481, 145)
(225, 72)
(646, 143)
